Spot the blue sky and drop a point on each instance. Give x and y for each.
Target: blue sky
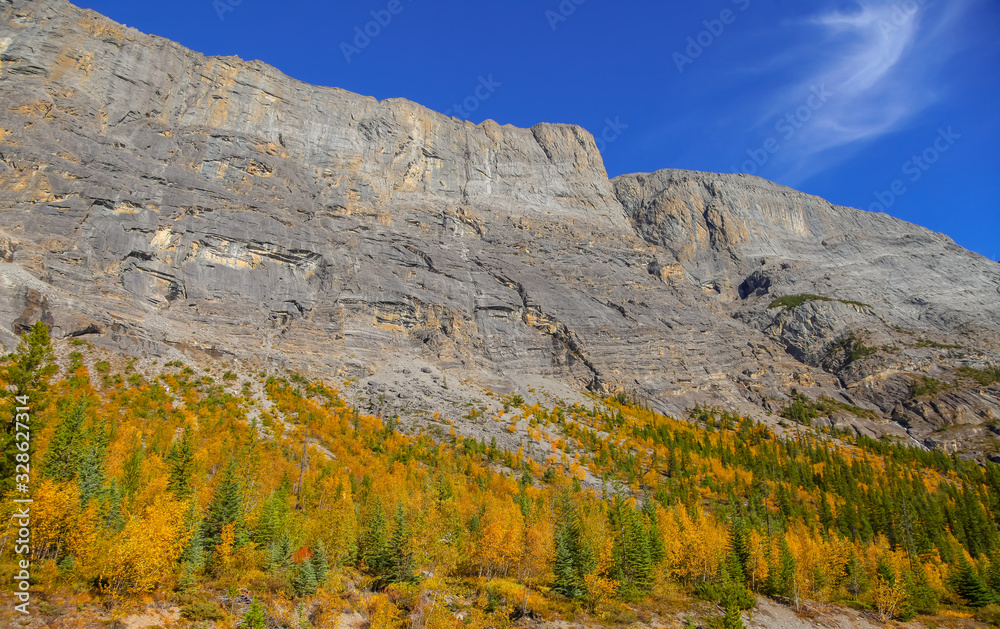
(888, 105)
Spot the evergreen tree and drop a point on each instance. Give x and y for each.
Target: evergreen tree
(967, 583)
(181, 463)
(112, 513)
(919, 591)
(656, 550)
(855, 579)
(781, 577)
(62, 460)
(564, 570)
(825, 514)
(305, 579)
(734, 592)
(272, 519)
(29, 372)
(631, 562)
(255, 617)
(400, 555)
(739, 545)
(374, 540)
(194, 553)
(132, 473)
(574, 559)
(32, 362)
(187, 579)
(281, 553)
(733, 618)
(320, 561)
(226, 508)
(66, 565)
(993, 572)
(90, 473)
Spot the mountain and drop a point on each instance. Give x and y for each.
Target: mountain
(161, 203)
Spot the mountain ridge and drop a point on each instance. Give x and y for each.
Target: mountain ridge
(165, 201)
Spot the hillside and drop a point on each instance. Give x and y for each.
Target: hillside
(189, 494)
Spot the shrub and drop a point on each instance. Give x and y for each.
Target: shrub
(984, 377)
(802, 410)
(928, 386)
(202, 610)
(794, 301)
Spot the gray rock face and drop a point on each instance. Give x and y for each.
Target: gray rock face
(159, 201)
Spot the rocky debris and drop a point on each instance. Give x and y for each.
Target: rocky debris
(159, 201)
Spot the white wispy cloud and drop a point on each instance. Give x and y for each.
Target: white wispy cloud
(878, 61)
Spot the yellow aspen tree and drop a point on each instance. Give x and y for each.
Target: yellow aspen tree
(382, 613)
(144, 553)
(500, 538)
(599, 587)
(888, 597)
(82, 541)
(53, 513)
(757, 564)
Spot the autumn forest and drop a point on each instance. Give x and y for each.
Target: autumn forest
(269, 501)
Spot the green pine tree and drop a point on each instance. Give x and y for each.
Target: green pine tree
(630, 551)
(574, 559)
(374, 541)
(855, 580)
(273, 517)
(194, 553)
(656, 549)
(564, 570)
(90, 473)
(993, 572)
(62, 460)
(400, 555)
(187, 579)
(112, 513)
(181, 463)
(733, 589)
(967, 583)
(29, 372)
(66, 565)
(33, 362)
(733, 618)
(226, 508)
(305, 583)
(920, 593)
(781, 579)
(739, 545)
(255, 617)
(281, 553)
(320, 561)
(132, 474)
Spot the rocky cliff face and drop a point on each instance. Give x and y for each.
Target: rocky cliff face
(158, 201)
